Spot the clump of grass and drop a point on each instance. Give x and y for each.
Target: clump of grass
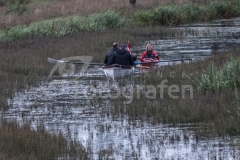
(18, 142)
(17, 7)
(217, 80)
(64, 26)
(7, 2)
(171, 15)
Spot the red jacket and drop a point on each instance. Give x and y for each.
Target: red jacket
(150, 54)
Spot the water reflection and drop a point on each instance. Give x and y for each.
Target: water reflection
(61, 105)
(197, 40)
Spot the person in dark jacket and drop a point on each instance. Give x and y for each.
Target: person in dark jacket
(134, 57)
(111, 52)
(132, 2)
(121, 57)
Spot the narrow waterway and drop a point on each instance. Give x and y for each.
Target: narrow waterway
(62, 104)
(197, 41)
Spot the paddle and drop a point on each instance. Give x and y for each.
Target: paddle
(55, 61)
(172, 60)
(116, 65)
(129, 47)
(121, 66)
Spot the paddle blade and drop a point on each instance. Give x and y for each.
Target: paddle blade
(143, 67)
(129, 46)
(54, 61)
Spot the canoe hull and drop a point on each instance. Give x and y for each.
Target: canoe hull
(115, 72)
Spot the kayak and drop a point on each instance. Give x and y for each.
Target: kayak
(149, 62)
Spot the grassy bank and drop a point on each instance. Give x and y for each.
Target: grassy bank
(21, 142)
(38, 10)
(168, 15)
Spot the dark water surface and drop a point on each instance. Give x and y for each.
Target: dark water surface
(63, 104)
(197, 41)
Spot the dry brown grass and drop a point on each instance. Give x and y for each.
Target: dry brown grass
(21, 142)
(38, 11)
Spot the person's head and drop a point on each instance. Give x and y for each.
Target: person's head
(122, 46)
(115, 45)
(148, 47)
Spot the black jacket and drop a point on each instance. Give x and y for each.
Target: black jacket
(121, 57)
(134, 58)
(110, 55)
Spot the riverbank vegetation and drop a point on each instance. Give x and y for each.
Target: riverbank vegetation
(21, 142)
(168, 15)
(32, 31)
(204, 92)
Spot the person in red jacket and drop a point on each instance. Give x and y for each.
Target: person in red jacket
(149, 54)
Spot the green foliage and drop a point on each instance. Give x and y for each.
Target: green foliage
(17, 7)
(64, 26)
(217, 80)
(169, 15)
(218, 9)
(193, 12)
(108, 19)
(5, 2)
(144, 18)
(174, 15)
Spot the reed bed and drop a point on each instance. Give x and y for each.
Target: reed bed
(21, 142)
(217, 80)
(169, 15)
(218, 110)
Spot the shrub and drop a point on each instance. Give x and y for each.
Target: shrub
(17, 7)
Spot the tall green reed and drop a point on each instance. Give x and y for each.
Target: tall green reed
(224, 78)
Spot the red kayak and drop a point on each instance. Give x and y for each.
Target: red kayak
(149, 62)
